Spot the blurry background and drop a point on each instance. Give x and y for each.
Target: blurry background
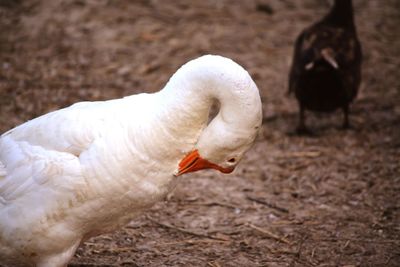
(329, 200)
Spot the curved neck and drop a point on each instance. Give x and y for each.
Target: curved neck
(192, 90)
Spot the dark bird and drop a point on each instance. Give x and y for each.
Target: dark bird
(326, 68)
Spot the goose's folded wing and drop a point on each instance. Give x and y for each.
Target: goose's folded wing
(69, 130)
(28, 169)
(43, 154)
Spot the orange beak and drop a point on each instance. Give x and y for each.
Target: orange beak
(193, 162)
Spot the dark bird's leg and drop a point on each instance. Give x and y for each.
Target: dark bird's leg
(346, 123)
(301, 127)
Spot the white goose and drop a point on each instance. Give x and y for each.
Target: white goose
(90, 168)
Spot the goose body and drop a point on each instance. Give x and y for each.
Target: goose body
(326, 68)
(91, 167)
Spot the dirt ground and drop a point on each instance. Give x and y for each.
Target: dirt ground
(328, 200)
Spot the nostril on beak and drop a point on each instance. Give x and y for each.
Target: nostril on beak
(232, 160)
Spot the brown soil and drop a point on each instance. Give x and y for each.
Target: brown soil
(328, 200)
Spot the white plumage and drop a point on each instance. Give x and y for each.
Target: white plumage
(90, 168)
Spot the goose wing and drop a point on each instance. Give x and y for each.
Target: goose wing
(43, 154)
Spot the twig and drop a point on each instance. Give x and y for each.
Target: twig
(302, 154)
(342, 248)
(215, 203)
(387, 241)
(213, 264)
(388, 260)
(298, 253)
(269, 234)
(192, 241)
(313, 252)
(299, 166)
(185, 230)
(270, 205)
(287, 222)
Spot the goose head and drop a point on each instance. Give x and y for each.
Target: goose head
(223, 142)
(218, 149)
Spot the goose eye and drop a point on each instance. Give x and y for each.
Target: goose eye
(232, 160)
